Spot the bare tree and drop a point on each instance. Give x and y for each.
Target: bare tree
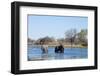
(70, 35)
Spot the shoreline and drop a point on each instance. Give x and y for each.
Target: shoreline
(65, 46)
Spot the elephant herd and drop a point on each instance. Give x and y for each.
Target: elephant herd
(58, 49)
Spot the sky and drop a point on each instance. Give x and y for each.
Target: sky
(40, 26)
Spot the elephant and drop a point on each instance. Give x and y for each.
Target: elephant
(44, 48)
(59, 49)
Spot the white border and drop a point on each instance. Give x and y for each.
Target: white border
(26, 65)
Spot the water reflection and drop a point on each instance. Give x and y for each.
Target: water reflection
(59, 56)
(52, 56)
(44, 56)
(74, 53)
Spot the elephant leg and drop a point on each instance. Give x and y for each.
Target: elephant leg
(46, 51)
(62, 50)
(43, 51)
(56, 50)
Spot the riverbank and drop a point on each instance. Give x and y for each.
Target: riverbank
(65, 46)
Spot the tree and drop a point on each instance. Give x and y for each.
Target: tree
(61, 40)
(70, 35)
(31, 41)
(82, 36)
(45, 40)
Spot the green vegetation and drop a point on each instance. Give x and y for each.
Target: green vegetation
(82, 36)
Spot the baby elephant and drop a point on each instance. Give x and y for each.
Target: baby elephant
(59, 49)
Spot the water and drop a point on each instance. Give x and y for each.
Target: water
(69, 53)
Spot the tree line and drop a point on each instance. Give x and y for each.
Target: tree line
(72, 37)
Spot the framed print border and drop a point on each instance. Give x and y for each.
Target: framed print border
(15, 37)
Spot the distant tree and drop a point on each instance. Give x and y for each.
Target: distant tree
(61, 40)
(70, 35)
(82, 36)
(30, 41)
(45, 40)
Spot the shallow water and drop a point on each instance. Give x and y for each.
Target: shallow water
(69, 53)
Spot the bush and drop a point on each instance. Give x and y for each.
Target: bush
(84, 44)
